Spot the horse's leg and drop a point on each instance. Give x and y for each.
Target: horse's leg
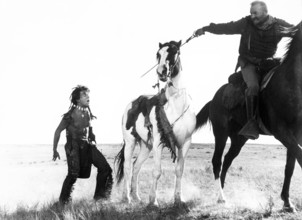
(293, 148)
(289, 169)
(182, 153)
(141, 158)
(220, 141)
(237, 141)
(129, 147)
(156, 173)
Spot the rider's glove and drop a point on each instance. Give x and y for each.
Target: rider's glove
(198, 32)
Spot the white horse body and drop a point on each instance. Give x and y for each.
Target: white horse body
(177, 104)
(181, 116)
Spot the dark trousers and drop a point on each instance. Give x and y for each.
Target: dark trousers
(75, 157)
(250, 77)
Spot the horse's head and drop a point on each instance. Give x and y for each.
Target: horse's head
(168, 60)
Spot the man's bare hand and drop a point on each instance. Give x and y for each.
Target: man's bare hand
(56, 155)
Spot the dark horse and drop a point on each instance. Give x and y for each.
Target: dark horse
(280, 112)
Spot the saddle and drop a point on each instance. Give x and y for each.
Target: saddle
(234, 92)
(265, 69)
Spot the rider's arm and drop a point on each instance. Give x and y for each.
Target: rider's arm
(234, 27)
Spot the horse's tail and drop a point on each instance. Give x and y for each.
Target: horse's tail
(203, 116)
(119, 161)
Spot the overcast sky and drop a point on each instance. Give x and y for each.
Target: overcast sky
(49, 47)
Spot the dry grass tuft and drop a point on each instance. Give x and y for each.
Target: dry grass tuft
(252, 189)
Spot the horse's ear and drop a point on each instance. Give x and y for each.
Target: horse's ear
(160, 45)
(179, 44)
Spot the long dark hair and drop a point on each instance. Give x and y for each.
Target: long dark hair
(75, 95)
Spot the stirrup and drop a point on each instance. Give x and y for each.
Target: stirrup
(250, 130)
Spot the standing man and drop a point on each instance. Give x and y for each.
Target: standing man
(81, 149)
(260, 35)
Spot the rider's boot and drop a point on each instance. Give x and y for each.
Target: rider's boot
(251, 130)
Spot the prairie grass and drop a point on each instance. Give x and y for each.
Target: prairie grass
(252, 188)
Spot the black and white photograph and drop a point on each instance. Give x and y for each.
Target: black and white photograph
(151, 109)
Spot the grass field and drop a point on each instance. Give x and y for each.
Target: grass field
(31, 183)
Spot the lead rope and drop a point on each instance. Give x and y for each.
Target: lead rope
(172, 125)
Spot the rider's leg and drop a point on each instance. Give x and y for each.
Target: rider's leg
(252, 80)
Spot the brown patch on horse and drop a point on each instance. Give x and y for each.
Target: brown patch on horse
(138, 106)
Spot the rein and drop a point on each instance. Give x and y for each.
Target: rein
(169, 74)
(180, 116)
(171, 69)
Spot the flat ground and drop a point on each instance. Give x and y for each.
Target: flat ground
(31, 179)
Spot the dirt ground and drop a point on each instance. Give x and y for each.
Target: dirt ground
(31, 178)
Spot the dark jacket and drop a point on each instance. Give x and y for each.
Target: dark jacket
(259, 43)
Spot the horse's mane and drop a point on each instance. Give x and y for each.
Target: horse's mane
(293, 44)
(171, 42)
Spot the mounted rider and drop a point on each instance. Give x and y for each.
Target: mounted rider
(260, 35)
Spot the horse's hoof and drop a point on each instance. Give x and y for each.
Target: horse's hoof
(152, 206)
(136, 199)
(126, 200)
(58, 206)
(182, 206)
(290, 209)
(221, 201)
(179, 203)
(153, 202)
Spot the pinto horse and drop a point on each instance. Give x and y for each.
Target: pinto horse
(280, 110)
(181, 118)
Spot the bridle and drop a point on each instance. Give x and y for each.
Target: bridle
(169, 75)
(187, 41)
(170, 69)
(172, 65)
